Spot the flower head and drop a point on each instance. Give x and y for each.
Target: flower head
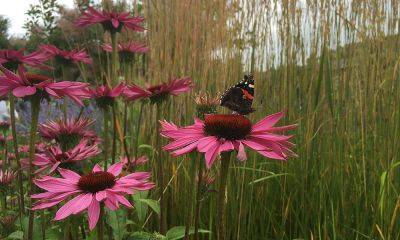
(4, 125)
(134, 161)
(68, 133)
(28, 85)
(66, 57)
(128, 50)
(6, 178)
(112, 22)
(205, 104)
(160, 92)
(221, 133)
(13, 59)
(89, 190)
(53, 157)
(105, 96)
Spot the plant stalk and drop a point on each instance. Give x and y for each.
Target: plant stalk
(222, 196)
(17, 158)
(160, 177)
(35, 108)
(198, 199)
(105, 136)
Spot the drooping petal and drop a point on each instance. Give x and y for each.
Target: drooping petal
(115, 169)
(93, 213)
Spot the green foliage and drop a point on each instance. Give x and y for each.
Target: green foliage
(4, 26)
(41, 24)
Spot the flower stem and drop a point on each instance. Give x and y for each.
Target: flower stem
(198, 198)
(35, 108)
(65, 103)
(114, 139)
(222, 196)
(114, 60)
(100, 226)
(191, 198)
(15, 144)
(106, 140)
(160, 177)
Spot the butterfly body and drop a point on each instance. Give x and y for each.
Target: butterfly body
(239, 97)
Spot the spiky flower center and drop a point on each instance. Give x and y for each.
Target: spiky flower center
(37, 78)
(108, 26)
(68, 140)
(227, 126)
(158, 95)
(96, 182)
(104, 101)
(62, 157)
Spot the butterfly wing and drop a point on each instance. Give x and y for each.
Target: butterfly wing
(239, 98)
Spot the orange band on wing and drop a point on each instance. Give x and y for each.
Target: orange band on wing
(247, 95)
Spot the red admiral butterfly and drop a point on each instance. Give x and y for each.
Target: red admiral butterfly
(239, 97)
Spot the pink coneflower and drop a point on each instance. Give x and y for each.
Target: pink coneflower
(89, 191)
(128, 50)
(160, 92)
(54, 157)
(39, 148)
(26, 85)
(4, 125)
(66, 57)
(68, 133)
(223, 133)
(135, 162)
(105, 96)
(111, 21)
(6, 178)
(13, 59)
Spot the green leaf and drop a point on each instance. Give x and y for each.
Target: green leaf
(153, 204)
(117, 221)
(140, 207)
(178, 232)
(268, 177)
(146, 236)
(146, 146)
(16, 235)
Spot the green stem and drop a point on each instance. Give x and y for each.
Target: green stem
(65, 103)
(106, 140)
(114, 139)
(17, 158)
(35, 108)
(114, 60)
(222, 196)
(191, 197)
(160, 173)
(100, 226)
(198, 198)
(136, 145)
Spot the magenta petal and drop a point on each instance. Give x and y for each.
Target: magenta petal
(97, 168)
(24, 91)
(101, 195)
(124, 201)
(115, 22)
(75, 205)
(185, 150)
(68, 174)
(115, 169)
(267, 122)
(93, 213)
(212, 154)
(241, 156)
(206, 143)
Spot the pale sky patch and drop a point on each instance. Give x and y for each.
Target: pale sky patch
(15, 11)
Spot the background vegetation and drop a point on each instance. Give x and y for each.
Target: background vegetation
(332, 65)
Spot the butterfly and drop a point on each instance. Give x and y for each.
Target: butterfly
(239, 97)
